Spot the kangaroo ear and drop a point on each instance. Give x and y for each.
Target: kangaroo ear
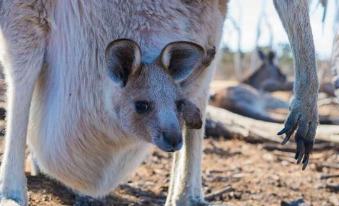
(181, 58)
(123, 59)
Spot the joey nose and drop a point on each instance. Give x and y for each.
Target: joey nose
(173, 140)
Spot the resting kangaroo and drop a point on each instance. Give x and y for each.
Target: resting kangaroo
(83, 110)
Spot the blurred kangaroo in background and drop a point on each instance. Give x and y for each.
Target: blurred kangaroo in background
(267, 75)
(85, 121)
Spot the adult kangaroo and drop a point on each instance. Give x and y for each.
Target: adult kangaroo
(71, 93)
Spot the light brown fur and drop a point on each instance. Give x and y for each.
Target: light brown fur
(59, 90)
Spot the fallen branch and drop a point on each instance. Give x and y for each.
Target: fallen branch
(221, 122)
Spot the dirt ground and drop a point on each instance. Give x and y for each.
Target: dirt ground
(249, 174)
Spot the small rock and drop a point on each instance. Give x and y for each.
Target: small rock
(284, 163)
(268, 157)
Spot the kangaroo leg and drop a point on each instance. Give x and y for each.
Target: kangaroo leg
(303, 117)
(23, 45)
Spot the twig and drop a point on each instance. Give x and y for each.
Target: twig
(212, 196)
(323, 177)
(331, 187)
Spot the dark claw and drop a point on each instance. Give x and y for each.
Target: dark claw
(300, 149)
(283, 131)
(306, 157)
(300, 157)
(308, 149)
(290, 127)
(297, 154)
(301, 154)
(285, 140)
(304, 136)
(288, 130)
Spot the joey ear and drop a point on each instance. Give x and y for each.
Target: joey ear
(192, 115)
(123, 59)
(181, 58)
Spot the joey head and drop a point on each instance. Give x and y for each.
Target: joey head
(150, 103)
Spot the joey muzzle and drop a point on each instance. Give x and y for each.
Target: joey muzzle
(172, 141)
(169, 139)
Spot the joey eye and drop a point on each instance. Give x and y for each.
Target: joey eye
(142, 107)
(180, 105)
